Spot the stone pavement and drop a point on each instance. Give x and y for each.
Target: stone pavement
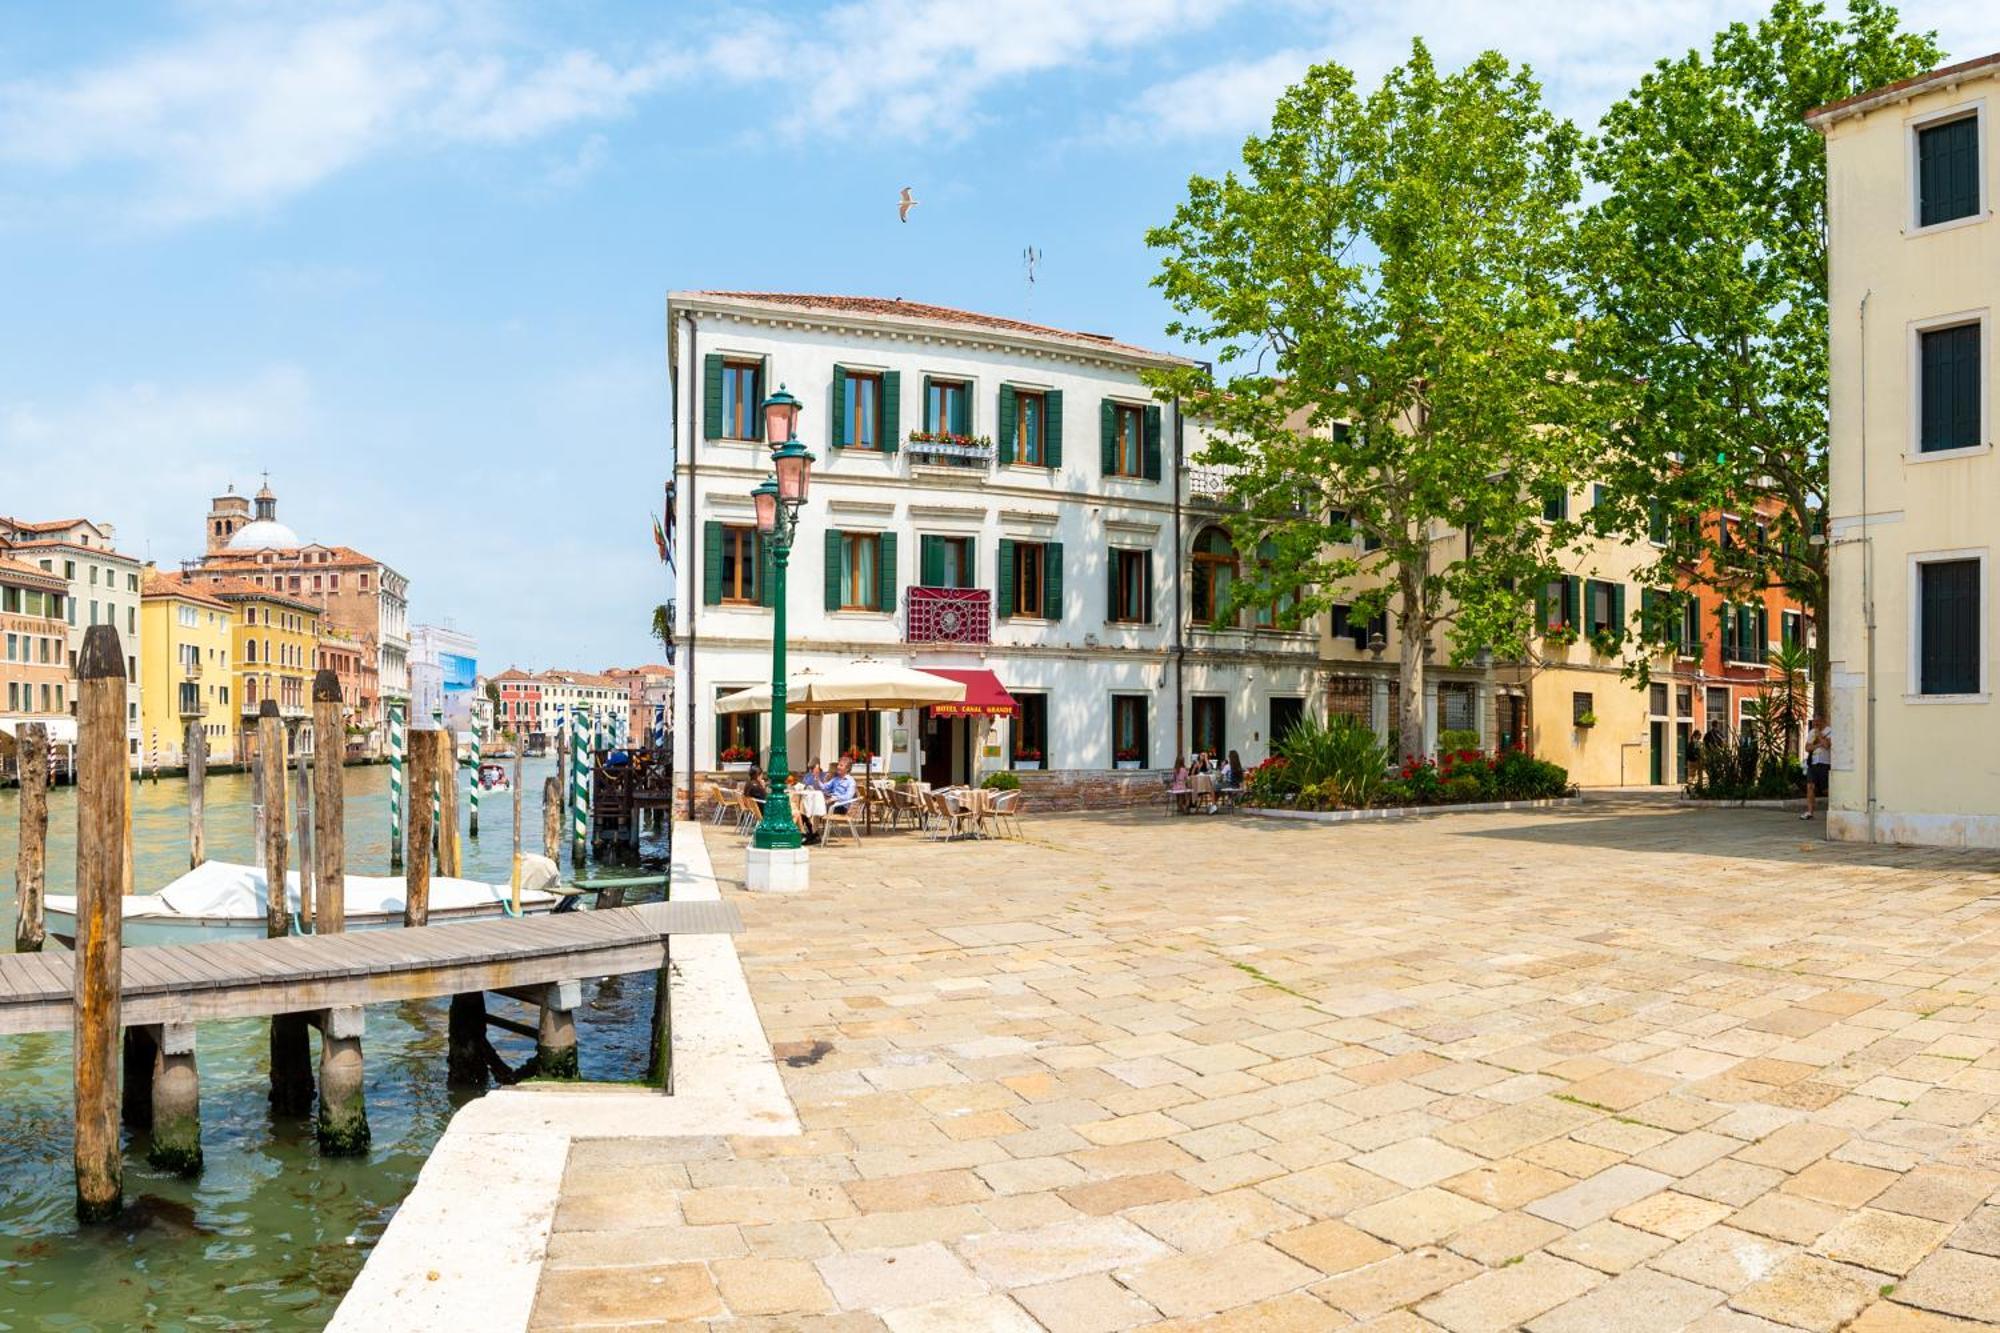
(1619, 1067)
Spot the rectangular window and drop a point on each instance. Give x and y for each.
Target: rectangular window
(1030, 732)
(1030, 417)
(1128, 729)
(740, 574)
(1948, 627)
(1949, 389)
(736, 734)
(947, 407)
(1948, 170)
(1597, 493)
(1210, 714)
(1683, 700)
(1792, 628)
(742, 399)
(862, 407)
(1129, 440)
(1030, 562)
(947, 562)
(1131, 586)
(1555, 506)
(859, 735)
(860, 571)
(1287, 711)
(1658, 700)
(1582, 711)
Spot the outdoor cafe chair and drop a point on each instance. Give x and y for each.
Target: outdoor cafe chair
(1007, 810)
(843, 818)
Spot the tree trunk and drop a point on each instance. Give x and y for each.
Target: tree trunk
(1410, 637)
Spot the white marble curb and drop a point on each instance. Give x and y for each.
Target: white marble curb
(465, 1249)
(1406, 811)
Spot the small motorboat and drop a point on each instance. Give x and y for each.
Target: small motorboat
(493, 777)
(221, 900)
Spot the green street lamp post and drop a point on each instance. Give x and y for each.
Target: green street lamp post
(778, 499)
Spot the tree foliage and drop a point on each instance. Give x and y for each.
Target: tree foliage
(1707, 268)
(1388, 284)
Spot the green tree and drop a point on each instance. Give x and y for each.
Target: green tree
(1707, 262)
(662, 627)
(1386, 289)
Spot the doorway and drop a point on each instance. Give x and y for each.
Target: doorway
(1285, 714)
(947, 760)
(1658, 775)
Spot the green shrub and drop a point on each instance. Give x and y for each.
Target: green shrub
(1519, 776)
(1001, 782)
(1342, 756)
(1462, 789)
(1452, 740)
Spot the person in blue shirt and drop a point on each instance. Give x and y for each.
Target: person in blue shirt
(840, 792)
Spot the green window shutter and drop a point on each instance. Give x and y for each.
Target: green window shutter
(1004, 423)
(833, 581)
(928, 423)
(837, 414)
(1153, 443)
(1763, 630)
(711, 396)
(1052, 429)
(1111, 585)
(753, 734)
(892, 410)
(1571, 620)
(1726, 618)
(1052, 587)
(971, 576)
(1746, 632)
(1107, 414)
(763, 391)
(1146, 590)
(711, 562)
(961, 413)
(1003, 583)
(1618, 609)
(932, 562)
(885, 572)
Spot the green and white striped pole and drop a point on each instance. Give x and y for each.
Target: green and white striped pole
(472, 788)
(395, 788)
(437, 809)
(579, 770)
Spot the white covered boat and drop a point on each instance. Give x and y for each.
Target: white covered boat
(222, 900)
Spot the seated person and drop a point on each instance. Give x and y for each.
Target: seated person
(756, 787)
(815, 778)
(840, 789)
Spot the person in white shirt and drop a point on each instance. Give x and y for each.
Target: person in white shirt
(1819, 763)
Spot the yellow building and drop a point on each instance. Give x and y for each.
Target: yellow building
(1914, 279)
(186, 652)
(271, 654)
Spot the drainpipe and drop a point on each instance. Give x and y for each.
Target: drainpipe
(1867, 571)
(685, 439)
(1180, 560)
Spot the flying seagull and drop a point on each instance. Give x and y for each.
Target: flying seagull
(903, 208)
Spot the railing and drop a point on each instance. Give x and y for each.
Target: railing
(1209, 485)
(957, 451)
(191, 670)
(948, 615)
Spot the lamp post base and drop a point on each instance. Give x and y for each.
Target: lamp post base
(775, 869)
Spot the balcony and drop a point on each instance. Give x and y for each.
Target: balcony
(1208, 485)
(190, 704)
(938, 449)
(191, 670)
(948, 616)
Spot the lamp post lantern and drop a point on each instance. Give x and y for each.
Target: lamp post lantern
(778, 499)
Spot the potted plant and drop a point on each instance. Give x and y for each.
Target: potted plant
(1586, 720)
(737, 759)
(1125, 757)
(1028, 758)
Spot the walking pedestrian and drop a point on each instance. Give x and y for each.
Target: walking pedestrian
(1819, 763)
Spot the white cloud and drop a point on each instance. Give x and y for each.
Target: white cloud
(257, 108)
(1587, 56)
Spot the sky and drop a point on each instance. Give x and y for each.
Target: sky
(411, 256)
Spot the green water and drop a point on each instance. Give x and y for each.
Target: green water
(270, 1235)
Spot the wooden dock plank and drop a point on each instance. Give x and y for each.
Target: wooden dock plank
(253, 978)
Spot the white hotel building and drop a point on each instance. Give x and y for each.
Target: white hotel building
(995, 499)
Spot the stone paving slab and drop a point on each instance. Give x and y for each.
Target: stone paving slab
(1604, 1069)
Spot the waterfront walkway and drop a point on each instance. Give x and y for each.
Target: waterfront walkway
(1621, 1068)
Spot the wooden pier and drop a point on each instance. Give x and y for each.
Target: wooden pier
(628, 798)
(134, 1011)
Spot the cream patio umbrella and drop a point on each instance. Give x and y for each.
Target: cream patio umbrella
(866, 685)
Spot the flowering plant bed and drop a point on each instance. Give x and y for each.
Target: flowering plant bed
(738, 754)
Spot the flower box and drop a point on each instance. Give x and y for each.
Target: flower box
(1029, 764)
(1125, 763)
(736, 766)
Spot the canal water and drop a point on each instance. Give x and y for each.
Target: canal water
(270, 1235)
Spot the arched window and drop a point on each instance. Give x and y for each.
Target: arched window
(250, 645)
(249, 692)
(1214, 571)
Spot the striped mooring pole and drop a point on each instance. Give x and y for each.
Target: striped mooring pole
(472, 788)
(579, 770)
(395, 788)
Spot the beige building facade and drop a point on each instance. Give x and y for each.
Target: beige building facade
(1914, 282)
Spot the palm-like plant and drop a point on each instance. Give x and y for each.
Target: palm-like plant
(663, 627)
(1785, 694)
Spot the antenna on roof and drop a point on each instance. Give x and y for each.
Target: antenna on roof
(1031, 257)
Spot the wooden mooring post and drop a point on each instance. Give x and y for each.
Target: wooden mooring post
(343, 1105)
(417, 862)
(552, 820)
(302, 816)
(449, 847)
(31, 753)
(197, 780)
(102, 791)
(291, 1040)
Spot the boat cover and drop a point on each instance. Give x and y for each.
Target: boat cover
(227, 890)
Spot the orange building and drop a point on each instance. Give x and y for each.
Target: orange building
(34, 637)
(1739, 631)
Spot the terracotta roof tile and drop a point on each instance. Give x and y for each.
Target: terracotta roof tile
(1833, 111)
(175, 585)
(22, 569)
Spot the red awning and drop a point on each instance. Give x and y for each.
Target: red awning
(985, 696)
